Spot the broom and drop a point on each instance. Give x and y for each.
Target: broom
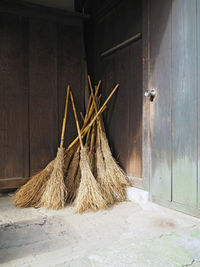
(115, 181)
(73, 175)
(72, 179)
(30, 194)
(89, 194)
(55, 193)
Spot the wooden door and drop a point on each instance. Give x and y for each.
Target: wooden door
(174, 126)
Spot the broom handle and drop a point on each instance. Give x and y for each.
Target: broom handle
(76, 119)
(93, 120)
(95, 105)
(96, 92)
(83, 133)
(65, 117)
(90, 110)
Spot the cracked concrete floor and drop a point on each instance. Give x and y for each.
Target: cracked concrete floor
(125, 235)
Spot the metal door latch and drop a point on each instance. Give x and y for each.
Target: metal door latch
(151, 94)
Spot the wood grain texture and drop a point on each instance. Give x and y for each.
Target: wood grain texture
(160, 109)
(146, 146)
(38, 58)
(123, 118)
(184, 102)
(43, 93)
(198, 85)
(12, 183)
(70, 71)
(135, 96)
(13, 98)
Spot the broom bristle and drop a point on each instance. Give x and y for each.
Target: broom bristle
(71, 176)
(55, 192)
(76, 184)
(101, 178)
(121, 177)
(29, 194)
(89, 195)
(116, 179)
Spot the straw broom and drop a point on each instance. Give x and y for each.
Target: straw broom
(101, 173)
(55, 193)
(72, 179)
(114, 181)
(89, 194)
(30, 193)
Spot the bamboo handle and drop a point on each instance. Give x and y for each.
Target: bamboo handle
(94, 101)
(65, 117)
(96, 92)
(93, 120)
(90, 112)
(92, 94)
(92, 139)
(76, 119)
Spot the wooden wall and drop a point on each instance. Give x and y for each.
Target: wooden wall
(39, 56)
(113, 23)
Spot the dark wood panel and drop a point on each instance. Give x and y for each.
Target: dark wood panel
(123, 119)
(135, 95)
(12, 183)
(119, 24)
(160, 109)
(23, 8)
(43, 93)
(118, 112)
(13, 98)
(184, 102)
(124, 66)
(70, 71)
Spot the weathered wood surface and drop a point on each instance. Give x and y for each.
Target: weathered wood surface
(12, 183)
(115, 22)
(43, 93)
(34, 75)
(146, 146)
(198, 84)
(184, 102)
(160, 109)
(70, 71)
(174, 115)
(13, 99)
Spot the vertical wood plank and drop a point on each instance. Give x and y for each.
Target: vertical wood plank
(160, 109)
(70, 71)
(135, 95)
(146, 147)
(184, 102)
(13, 98)
(198, 86)
(43, 93)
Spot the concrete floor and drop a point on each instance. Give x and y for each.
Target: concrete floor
(126, 235)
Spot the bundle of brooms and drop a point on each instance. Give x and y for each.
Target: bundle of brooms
(87, 176)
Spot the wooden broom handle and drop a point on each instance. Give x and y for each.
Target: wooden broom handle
(92, 94)
(96, 92)
(65, 117)
(94, 101)
(93, 120)
(76, 119)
